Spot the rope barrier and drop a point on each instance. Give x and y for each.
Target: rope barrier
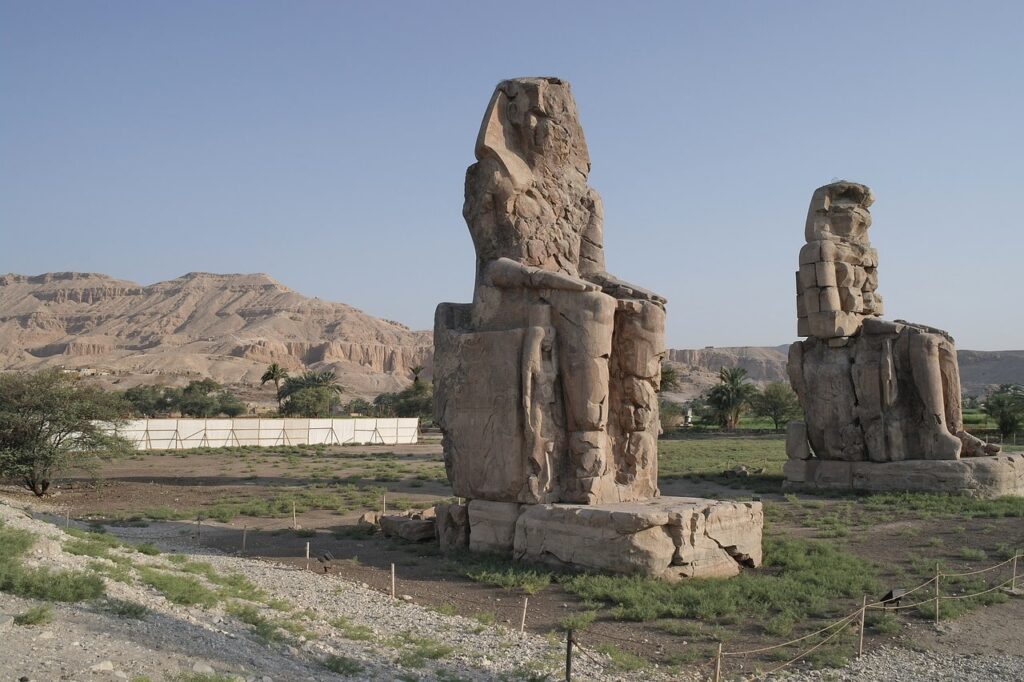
(841, 621)
(983, 570)
(968, 596)
(797, 658)
(930, 600)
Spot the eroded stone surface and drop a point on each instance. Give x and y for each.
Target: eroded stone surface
(492, 526)
(545, 385)
(872, 391)
(992, 476)
(668, 537)
(452, 526)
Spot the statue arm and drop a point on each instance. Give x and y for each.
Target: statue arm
(506, 273)
(615, 287)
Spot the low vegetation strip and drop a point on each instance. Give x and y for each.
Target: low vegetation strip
(40, 583)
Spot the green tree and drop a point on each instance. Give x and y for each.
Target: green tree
(670, 414)
(1005, 406)
(311, 401)
(416, 371)
(310, 379)
(149, 400)
(277, 374)
(670, 380)
(198, 399)
(359, 406)
(229, 405)
(731, 396)
(50, 422)
(777, 402)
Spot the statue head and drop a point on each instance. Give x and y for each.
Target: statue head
(839, 211)
(532, 122)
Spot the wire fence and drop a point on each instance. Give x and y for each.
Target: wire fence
(891, 602)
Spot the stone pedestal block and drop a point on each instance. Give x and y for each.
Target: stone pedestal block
(492, 526)
(988, 477)
(668, 537)
(452, 526)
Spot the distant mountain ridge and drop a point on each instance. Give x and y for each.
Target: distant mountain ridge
(228, 327)
(698, 368)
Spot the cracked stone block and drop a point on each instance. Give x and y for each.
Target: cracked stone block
(452, 526)
(666, 537)
(492, 526)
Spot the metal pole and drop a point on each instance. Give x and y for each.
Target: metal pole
(568, 656)
(718, 664)
(392, 581)
(863, 610)
(522, 621)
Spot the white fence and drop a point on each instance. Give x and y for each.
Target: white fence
(179, 434)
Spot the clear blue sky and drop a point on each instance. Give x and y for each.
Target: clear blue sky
(325, 143)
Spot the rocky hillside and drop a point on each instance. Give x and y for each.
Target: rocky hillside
(228, 327)
(698, 368)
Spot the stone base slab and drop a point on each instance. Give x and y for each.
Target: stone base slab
(665, 537)
(987, 477)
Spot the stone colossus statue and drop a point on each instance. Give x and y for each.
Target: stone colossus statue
(546, 385)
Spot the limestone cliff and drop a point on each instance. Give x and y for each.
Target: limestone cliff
(228, 327)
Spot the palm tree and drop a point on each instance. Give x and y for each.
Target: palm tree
(417, 385)
(729, 398)
(277, 374)
(310, 379)
(669, 377)
(1005, 406)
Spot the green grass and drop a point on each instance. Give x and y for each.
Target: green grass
(803, 578)
(623, 661)
(973, 554)
(40, 583)
(706, 457)
(178, 589)
(126, 609)
(578, 621)
(498, 571)
(342, 665)
(352, 631)
(416, 651)
(147, 548)
(936, 505)
(230, 585)
(37, 615)
(119, 572)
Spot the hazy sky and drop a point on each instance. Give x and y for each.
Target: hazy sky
(325, 143)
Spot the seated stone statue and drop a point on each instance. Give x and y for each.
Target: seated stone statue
(546, 384)
(871, 389)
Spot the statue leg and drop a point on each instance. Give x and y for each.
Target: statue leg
(926, 366)
(584, 323)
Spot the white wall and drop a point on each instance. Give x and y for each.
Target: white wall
(179, 434)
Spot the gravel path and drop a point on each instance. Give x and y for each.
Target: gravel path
(903, 665)
(87, 641)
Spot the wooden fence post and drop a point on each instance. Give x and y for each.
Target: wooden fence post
(937, 576)
(522, 621)
(307, 556)
(1013, 578)
(245, 531)
(568, 656)
(718, 664)
(863, 611)
(392, 581)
